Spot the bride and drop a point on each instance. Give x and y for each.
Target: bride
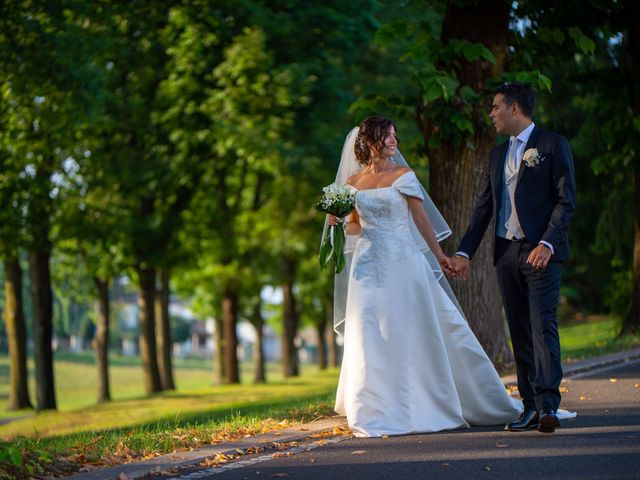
(411, 363)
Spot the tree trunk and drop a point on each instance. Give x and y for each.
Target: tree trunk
(147, 339)
(332, 345)
(258, 352)
(321, 330)
(334, 355)
(42, 305)
(219, 346)
(457, 172)
(631, 72)
(164, 332)
(16, 334)
(101, 338)
(229, 322)
(290, 321)
(631, 323)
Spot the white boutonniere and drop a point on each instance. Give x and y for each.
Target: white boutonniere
(531, 157)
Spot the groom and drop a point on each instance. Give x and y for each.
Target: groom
(529, 191)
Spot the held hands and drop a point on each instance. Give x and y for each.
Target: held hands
(446, 265)
(460, 267)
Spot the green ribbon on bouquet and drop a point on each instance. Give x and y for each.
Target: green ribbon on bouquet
(332, 248)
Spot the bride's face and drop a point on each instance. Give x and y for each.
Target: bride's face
(390, 143)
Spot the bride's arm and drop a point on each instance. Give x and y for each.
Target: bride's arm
(351, 223)
(425, 228)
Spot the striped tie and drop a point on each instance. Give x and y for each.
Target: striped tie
(512, 158)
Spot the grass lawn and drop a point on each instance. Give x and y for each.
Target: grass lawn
(195, 399)
(598, 336)
(197, 413)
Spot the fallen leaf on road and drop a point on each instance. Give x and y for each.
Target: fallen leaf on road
(123, 476)
(582, 397)
(444, 464)
(312, 460)
(280, 474)
(502, 445)
(613, 380)
(564, 389)
(216, 460)
(358, 452)
(385, 436)
(341, 430)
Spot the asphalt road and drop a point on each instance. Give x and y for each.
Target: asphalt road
(603, 442)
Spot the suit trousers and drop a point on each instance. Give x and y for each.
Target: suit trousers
(530, 298)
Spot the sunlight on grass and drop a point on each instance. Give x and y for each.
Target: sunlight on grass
(594, 338)
(195, 397)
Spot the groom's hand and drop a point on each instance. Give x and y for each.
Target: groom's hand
(539, 256)
(461, 266)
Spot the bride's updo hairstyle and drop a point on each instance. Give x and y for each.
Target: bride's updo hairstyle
(373, 131)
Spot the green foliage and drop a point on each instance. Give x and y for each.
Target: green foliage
(10, 454)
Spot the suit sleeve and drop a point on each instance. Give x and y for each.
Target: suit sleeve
(480, 219)
(564, 188)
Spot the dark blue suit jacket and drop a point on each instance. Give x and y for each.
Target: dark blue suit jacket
(544, 195)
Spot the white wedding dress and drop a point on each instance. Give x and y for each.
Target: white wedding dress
(411, 363)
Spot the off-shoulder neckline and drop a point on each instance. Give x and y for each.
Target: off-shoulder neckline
(382, 188)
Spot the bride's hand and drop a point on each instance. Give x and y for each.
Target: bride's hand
(447, 265)
(333, 220)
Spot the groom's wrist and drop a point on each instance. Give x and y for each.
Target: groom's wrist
(548, 245)
(463, 254)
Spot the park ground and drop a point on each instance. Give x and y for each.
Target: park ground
(83, 435)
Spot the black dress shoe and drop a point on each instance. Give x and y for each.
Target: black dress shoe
(528, 420)
(548, 421)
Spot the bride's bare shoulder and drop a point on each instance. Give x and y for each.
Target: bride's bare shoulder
(399, 171)
(353, 179)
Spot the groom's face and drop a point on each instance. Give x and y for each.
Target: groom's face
(502, 115)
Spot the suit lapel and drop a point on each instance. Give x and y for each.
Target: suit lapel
(531, 143)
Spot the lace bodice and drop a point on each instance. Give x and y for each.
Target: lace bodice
(385, 235)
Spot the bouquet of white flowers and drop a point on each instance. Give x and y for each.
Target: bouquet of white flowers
(338, 201)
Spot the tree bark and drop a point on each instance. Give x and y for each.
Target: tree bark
(147, 339)
(229, 321)
(42, 305)
(631, 322)
(457, 172)
(290, 321)
(219, 353)
(164, 332)
(101, 338)
(321, 330)
(16, 334)
(258, 352)
(631, 72)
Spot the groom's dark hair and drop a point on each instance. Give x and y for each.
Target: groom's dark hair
(520, 93)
